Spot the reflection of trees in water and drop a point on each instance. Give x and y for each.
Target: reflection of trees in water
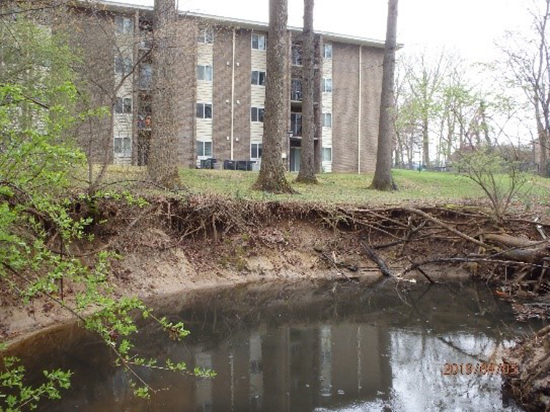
(222, 314)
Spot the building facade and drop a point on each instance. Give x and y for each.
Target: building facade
(222, 87)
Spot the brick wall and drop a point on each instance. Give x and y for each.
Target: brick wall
(372, 60)
(346, 106)
(186, 90)
(345, 86)
(223, 54)
(242, 94)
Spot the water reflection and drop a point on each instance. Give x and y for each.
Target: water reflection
(347, 350)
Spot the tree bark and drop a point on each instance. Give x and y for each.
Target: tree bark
(272, 172)
(382, 176)
(162, 165)
(307, 161)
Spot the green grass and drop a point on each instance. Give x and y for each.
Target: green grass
(341, 188)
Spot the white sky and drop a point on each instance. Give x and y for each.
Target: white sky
(471, 26)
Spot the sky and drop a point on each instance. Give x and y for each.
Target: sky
(469, 26)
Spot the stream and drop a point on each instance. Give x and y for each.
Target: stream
(301, 347)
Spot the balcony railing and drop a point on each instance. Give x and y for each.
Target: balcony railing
(296, 90)
(296, 95)
(296, 124)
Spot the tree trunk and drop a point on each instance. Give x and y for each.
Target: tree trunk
(382, 176)
(162, 166)
(272, 172)
(307, 161)
(543, 151)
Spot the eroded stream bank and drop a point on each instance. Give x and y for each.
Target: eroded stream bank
(173, 246)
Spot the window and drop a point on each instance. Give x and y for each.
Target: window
(206, 35)
(327, 119)
(327, 154)
(259, 42)
(296, 90)
(258, 78)
(205, 73)
(123, 65)
(297, 54)
(123, 146)
(255, 151)
(296, 124)
(123, 105)
(204, 149)
(123, 25)
(146, 77)
(326, 85)
(327, 50)
(257, 114)
(204, 110)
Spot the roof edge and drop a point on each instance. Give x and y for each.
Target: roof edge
(250, 24)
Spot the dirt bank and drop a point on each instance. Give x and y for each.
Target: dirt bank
(151, 266)
(175, 246)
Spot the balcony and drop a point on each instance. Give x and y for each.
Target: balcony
(296, 53)
(296, 90)
(296, 124)
(146, 77)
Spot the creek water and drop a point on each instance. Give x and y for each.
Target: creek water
(301, 347)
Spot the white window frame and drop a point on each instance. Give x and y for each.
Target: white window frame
(205, 73)
(124, 25)
(201, 148)
(259, 150)
(327, 51)
(258, 78)
(203, 107)
(261, 41)
(326, 86)
(257, 111)
(323, 154)
(123, 151)
(327, 124)
(122, 106)
(206, 35)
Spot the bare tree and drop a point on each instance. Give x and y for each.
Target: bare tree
(382, 175)
(425, 77)
(272, 173)
(106, 70)
(529, 61)
(162, 165)
(307, 161)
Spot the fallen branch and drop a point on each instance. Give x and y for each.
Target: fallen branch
(414, 266)
(377, 259)
(446, 226)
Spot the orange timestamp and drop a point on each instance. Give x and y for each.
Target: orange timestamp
(482, 368)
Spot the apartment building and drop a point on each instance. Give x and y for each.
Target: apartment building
(222, 89)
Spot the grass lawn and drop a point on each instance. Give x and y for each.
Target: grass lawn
(413, 186)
